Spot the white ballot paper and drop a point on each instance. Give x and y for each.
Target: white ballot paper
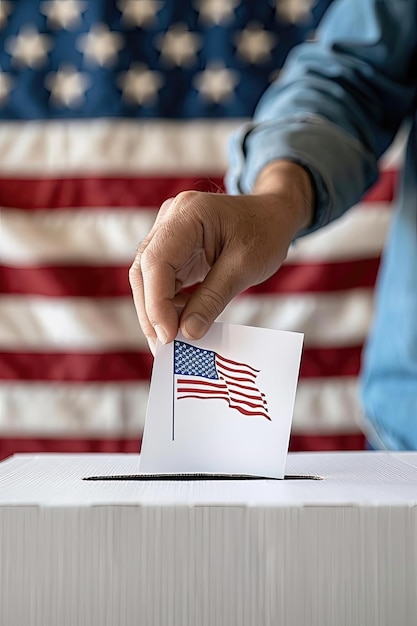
(222, 404)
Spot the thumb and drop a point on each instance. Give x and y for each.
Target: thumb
(223, 282)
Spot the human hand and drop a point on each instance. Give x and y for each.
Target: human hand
(225, 243)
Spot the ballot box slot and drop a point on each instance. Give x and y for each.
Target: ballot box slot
(191, 477)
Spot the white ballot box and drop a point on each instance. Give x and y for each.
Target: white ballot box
(340, 551)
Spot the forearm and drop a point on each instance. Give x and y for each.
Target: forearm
(336, 106)
(280, 179)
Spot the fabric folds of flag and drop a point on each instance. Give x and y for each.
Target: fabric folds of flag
(206, 375)
(107, 108)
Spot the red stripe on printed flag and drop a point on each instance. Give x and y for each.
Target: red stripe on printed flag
(248, 401)
(244, 395)
(98, 192)
(130, 366)
(146, 191)
(205, 389)
(112, 281)
(38, 445)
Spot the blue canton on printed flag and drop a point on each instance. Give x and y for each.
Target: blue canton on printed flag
(206, 375)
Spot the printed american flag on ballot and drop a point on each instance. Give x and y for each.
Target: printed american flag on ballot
(206, 375)
(222, 404)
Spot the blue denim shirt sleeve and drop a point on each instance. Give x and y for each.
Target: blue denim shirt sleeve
(337, 105)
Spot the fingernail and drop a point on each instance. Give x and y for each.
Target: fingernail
(152, 344)
(162, 336)
(195, 325)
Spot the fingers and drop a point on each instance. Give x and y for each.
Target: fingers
(136, 279)
(227, 242)
(153, 284)
(224, 281)
(136, 283)
(158, 275)
(155, 275)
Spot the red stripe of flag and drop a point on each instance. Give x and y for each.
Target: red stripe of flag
(145, 191)
(75, 367)
(78, 281)
(313, 277)
(99, 192)
(306, 442)
(384, 189)
(107, 281)
(312, 442)
(133, 366)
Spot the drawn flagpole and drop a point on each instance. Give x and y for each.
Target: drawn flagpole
(173, 396)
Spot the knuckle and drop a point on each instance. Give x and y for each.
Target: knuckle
(148, 258)
(135, 268)
(189, 202)
(134, 273)
(142, 247)
(187, 197)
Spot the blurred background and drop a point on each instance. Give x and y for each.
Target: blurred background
(106, 109)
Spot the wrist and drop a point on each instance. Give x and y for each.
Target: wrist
(292, 186)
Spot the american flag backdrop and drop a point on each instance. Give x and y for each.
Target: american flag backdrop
(106, 109)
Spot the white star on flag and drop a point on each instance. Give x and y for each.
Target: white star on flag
(5, 86)
(100, 45)
(5, 10)
(63, 13)
(139, 12)
(216, 82)
(294, 11)
(179, 46)
(140, 84)
(255, 44)
(67, 86)
(28, 47)
(216, 11)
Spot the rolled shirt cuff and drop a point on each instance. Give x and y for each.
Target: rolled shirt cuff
(339, 165)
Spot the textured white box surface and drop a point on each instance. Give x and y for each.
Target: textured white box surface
(340, 551)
